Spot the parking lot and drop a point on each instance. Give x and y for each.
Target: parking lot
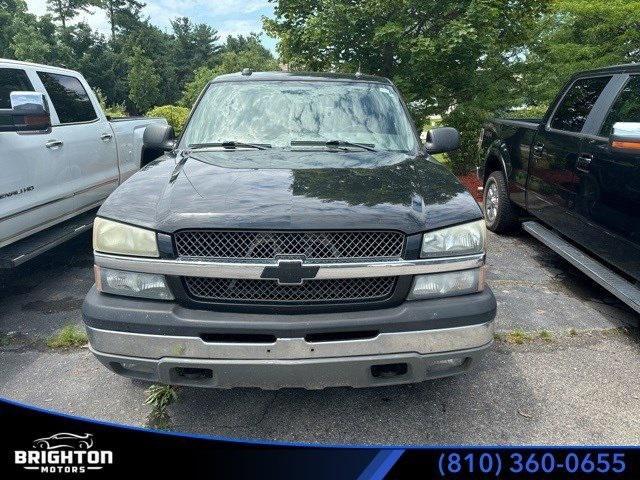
(564, 368)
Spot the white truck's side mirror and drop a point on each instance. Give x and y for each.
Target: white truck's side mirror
(625, 136)
(29, 112)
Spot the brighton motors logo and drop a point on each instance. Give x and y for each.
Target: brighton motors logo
(63, 453)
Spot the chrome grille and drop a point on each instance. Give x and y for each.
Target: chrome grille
(310, 292)
(268, 245)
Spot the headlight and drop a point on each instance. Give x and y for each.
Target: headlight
(467, 239)
(132, 284)
(447, 284)
(121, 239)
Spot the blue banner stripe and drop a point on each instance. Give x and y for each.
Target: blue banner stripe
(381, 464)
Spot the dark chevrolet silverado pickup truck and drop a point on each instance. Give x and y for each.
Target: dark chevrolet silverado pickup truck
(577, 173)
(296, 235)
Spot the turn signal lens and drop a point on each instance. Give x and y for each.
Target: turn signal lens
(447, 284)
(132, 284)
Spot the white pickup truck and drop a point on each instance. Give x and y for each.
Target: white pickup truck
(60, 157)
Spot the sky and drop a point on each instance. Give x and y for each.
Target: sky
(229, 17)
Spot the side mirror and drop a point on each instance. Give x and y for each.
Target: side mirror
(625, 136)
(442, 140)
(29, 112)
(159, 137)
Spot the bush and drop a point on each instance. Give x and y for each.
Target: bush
(176, 116)
(112, 111)
(116, 111)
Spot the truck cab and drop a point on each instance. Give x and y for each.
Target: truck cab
(60, 167)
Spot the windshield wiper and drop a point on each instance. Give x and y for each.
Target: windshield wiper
(333, 143)
(230, 145)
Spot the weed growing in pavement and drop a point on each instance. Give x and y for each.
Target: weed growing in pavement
(519, 336)
(71, 336)
(546, 335)
(160, 397)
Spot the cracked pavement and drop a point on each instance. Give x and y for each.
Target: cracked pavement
(579, 387)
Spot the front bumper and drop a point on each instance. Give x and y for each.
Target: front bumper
(164, 342)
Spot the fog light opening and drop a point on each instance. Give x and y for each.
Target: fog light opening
(389, 370)
(195, 374)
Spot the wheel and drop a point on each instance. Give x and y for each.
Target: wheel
(501, 214)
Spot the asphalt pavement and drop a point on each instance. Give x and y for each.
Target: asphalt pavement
(564, 369)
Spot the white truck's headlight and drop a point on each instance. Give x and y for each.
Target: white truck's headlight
(122, 239)
(132, 284)
(466, 239)
(439, 285)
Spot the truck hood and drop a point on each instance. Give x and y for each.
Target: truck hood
(291, 190)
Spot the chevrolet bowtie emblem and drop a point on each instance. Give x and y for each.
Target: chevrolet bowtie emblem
(289, 272)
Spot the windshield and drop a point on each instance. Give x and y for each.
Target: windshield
(301, 114)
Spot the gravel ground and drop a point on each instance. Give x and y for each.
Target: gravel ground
(578, 385)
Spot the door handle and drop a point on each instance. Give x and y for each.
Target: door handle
(54, 144)
(106, 137)
(538, 149)
(583, 163)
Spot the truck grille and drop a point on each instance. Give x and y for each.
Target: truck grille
(268, 245)
(310, 292)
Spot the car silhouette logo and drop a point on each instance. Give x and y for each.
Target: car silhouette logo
(65, 440)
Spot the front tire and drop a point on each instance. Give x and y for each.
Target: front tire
(501, 215)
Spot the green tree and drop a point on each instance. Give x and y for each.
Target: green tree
(457, 59)
(122, 14)
(28, 43)
(144, 82)
(158, 47)
(195, 46)
(64, 10)
(193, 89)
(238, 53)
(579, 35)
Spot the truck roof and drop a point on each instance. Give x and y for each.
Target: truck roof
(626, 68)
(306, 76)
(18, 63)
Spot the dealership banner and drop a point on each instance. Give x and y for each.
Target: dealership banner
(37, 443)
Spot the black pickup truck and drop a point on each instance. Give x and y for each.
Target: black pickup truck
(296, 235)
(577, 173)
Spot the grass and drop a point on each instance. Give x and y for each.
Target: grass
(546, 335)
(71, 336)
(520, 337)
(5, 340)
(160, 397)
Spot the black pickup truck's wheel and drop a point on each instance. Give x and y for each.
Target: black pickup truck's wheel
(500, 213)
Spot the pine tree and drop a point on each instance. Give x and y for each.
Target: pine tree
(65, 10)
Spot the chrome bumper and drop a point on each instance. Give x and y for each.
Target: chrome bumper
(160, 346)
(293, 362)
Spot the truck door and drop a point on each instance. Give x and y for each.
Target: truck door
(87, 138)
(33, 169)
(609, 185)
(553, 187)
